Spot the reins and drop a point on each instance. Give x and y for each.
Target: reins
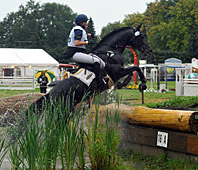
(115, 46)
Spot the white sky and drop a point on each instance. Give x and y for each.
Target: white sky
(101, 11)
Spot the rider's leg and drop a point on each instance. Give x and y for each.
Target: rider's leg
(98, 64)
(88, 59)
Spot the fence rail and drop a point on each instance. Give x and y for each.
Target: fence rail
(191, 81)
(17, 83)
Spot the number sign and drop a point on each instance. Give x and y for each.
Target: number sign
(162, 139)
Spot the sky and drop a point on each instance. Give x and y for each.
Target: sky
(102, 12)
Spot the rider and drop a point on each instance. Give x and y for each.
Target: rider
(76, 46)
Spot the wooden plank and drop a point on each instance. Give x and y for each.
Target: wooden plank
(145, 135)
(177, 141)
(141, 135)
(192, 144)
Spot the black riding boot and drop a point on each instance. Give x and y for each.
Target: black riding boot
(98, 73)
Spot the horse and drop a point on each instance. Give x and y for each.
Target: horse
(110, 50)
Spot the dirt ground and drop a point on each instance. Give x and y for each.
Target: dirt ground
(10, 107)
(10, 110)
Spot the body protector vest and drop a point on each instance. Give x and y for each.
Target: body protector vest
(77, 33)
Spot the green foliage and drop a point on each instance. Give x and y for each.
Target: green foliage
(173, 31)
(181, 103)
(44, 26)
(193, 42)
(161, 162)
(46, 137)
(110, 27)
(171, 27)
(40, 140)
(9, 93)
(91, 30)
(159, 56)
(3, 149)
(103, 140)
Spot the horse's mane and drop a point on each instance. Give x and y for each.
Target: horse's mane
(111, 34)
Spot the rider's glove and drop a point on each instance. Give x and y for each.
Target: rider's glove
(90, 42)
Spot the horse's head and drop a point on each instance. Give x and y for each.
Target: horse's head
(113, 44)
(138, 42)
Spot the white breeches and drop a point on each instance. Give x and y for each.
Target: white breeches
(87, 59)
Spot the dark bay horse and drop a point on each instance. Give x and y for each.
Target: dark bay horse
(110, 50)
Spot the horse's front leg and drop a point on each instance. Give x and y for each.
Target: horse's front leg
(130, 70)
(126, 81)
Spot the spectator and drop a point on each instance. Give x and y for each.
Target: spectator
(42, 80)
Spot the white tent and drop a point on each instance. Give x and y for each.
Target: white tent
(25, 62)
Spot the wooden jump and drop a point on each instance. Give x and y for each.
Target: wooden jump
(156, 131)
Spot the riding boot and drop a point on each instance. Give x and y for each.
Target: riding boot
(98, 73)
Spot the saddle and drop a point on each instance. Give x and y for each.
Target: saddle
(87, 73)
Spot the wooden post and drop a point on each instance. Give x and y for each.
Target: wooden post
(142, 96)
(158, 79)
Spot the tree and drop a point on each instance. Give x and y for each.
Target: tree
(110, 27)
(44, 26)
(57, 21)
(91, 30)
(182, 16)
(21, 26)
(193, 43)
(132, 20)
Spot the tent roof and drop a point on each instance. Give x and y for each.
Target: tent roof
(25, 57)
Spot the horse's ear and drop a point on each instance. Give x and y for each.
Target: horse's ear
(138, 27)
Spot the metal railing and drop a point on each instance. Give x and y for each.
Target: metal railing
(17, 83)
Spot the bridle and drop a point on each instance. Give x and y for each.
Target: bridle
(111, 53)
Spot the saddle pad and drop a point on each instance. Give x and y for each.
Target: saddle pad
(85, 76)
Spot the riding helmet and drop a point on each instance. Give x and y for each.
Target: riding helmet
(80, 19)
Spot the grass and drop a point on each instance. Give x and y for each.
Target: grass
(132, 160)
(181, 103)
(104, 140)
(9, 93)
(162, 162)
(59, 134)
(134, 97)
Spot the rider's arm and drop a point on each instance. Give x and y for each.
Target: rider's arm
(77, 38)
(80, 43)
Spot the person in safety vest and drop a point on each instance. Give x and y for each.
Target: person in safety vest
(76, 46)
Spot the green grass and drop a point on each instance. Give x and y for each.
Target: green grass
(59, 135)
(130, 97)
(9, 93)
(134, 161)
(134, 97)
(180, 102)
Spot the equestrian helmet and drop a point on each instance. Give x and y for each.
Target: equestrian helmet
(80, 19)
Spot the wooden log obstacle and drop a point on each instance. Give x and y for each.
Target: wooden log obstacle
(178, 120)
(156, 131)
